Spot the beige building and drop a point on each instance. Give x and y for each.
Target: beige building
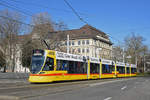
(88, 41)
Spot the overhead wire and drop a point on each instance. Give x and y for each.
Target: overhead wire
(16, 20)
(74, 11)
(42, 6)
(63, 10)
(81, 19)
(6, 4)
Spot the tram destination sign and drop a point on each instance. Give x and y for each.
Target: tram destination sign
(94, 60)
(66, 56)
(109, 62)
(38, 52)
(120, 64)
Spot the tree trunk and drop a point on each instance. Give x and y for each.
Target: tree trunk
(4, 71)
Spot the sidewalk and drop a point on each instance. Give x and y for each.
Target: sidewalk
(11, 75)
(6, 81)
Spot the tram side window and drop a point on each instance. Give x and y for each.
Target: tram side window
(106, 68)
(128, 70)
(84, 67)
(62, 65)
(94, 68)
(118, 68)
(77, 67)
(112, 68)
(72, 66)
(133, 70)
(121, 69)
(49, 64)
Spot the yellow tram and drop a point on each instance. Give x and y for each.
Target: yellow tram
(50, 65)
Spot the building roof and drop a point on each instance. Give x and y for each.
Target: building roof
(84, 32)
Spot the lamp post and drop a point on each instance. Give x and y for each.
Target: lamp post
(67, 43)
(123, 55)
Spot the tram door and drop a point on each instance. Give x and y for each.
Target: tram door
(50, 63)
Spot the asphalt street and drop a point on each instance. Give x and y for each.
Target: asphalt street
(132, 89)
(137, 88)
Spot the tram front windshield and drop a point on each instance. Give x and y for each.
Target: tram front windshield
(37, 63)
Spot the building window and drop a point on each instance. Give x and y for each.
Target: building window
(78, 42)
(65, 42)
(87, 50)
(69, 42)
(72, 42)
(83, 42)
(83, 50)
(94, 42)
(73, 50)
(87, 41)
(79, 50)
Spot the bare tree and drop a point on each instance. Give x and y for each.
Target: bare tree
(135, 48)
(9, 29)
(44, 29)
(26, 48)
(55, 38)
(2, 61)
(60, 26)
(117, 53)
(42, 24)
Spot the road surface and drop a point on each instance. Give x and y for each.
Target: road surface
(137, 88)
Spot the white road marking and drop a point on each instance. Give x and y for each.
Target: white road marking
(137, 82)
(135, 87)
(95, 84)
(108, 98)
(146, 81)
(123, 87)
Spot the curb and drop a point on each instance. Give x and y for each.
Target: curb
(6, 97)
